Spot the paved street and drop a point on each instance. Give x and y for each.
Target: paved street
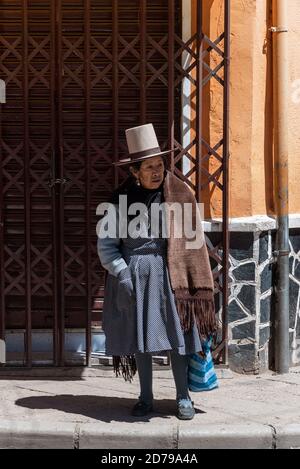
(93, 411)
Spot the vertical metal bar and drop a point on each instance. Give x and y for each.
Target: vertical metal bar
(115, 29)
(27, 196)
(2, 236)
(171, 80)
(199, 72)
(226, 178)
(186, 92)
(55, 246)
(58, 187)
(2, 285)
(143, 61)
(87, 34)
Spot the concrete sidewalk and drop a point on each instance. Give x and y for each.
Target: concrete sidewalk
(92, 410)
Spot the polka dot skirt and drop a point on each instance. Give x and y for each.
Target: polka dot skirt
(148, 320)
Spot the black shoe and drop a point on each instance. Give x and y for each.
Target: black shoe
(141, 408)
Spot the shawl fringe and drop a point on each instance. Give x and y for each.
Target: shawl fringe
(125, 365)
(199, 311)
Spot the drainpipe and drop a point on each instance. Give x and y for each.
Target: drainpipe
(281, 99)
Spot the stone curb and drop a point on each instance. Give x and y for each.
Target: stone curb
(183, 435)
(288, 436)
(36, 435)
(253, 436)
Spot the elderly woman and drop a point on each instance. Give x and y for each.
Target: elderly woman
(158, 293)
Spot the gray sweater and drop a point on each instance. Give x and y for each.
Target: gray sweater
(109, 248)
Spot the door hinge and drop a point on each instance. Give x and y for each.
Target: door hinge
(2, 351)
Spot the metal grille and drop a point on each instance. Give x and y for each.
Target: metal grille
(78, 73)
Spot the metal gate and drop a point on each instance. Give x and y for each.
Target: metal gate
(78, 73)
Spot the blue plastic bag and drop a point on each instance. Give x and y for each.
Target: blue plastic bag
(201, 371)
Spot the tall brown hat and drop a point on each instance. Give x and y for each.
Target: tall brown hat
(142, 144)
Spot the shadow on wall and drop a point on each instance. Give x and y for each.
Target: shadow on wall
(212, 59)
(269, 123)
(206, 99)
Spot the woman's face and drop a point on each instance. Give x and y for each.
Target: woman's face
(151, 172)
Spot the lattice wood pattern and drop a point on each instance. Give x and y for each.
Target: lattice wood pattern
(78, 73)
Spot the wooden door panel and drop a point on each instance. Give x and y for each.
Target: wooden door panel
(76, 78)
(27, 145)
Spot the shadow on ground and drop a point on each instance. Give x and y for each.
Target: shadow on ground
(100, 408)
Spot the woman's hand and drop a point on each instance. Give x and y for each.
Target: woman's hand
(125, 291)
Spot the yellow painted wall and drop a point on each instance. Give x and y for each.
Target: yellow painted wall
(251, 112)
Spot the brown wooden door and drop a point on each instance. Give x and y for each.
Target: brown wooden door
(78, 73)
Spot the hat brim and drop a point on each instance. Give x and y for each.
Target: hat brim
(129, 161)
